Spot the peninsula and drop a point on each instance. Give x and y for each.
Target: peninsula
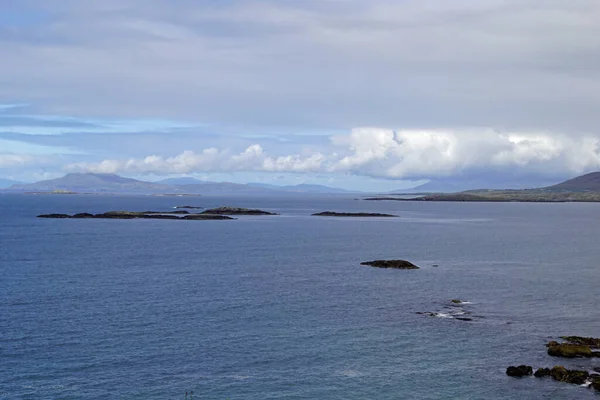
(585, 188)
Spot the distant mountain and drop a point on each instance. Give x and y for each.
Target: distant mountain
(301, 188)
(584, 183)
(186, 180)
(111, 183)
(93, 183)
(456, 185)
(222, 188)
(6, 183)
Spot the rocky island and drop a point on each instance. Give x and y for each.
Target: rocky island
(345, 214)
(236, 211)
(395, 264)
(183, 215)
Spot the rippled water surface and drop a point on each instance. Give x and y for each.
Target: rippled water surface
(278, 307)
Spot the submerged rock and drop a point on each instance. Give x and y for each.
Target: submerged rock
(396, 264)
(521, 370)
(236, 211)
(345, 214)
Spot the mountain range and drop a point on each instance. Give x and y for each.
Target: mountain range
(454, 185)
(112, 183)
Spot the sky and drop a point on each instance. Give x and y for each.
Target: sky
(374, 95)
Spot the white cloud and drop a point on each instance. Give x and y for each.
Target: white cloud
(14, 160)
(209, 160)
(385, 153)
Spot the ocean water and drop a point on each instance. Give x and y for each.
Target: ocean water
(278, 307)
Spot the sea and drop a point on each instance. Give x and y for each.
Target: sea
(279, 307)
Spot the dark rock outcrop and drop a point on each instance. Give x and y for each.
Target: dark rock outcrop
(570, 350)
(190, 207)
(54, 216)
(83, 215)
(396, 264)
(121, 215)
(159, 216)
(521, 370)
(205, 217)
(584, 341)
(236, 211)
(140, 215)
(345, 214)
(542, 372)
(561, 374)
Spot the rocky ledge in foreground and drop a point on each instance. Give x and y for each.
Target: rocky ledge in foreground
(577, 346)
(345, 214)
(558, 373)
(571, 350)
(585, 341)
(236, 211)
(396, 264)
(183, 215)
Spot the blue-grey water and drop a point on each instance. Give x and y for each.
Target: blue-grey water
(278, 307)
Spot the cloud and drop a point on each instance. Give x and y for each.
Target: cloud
(16, 162)
(384, 153)
(509, 64)
(181, 86)
(208, 160)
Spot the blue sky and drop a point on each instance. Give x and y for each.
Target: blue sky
(366, 95)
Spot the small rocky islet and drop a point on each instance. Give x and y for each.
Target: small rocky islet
(574, 346)
(221, 213)
(236, 211)
(179, 215)
(347, 214)
(394, 264)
